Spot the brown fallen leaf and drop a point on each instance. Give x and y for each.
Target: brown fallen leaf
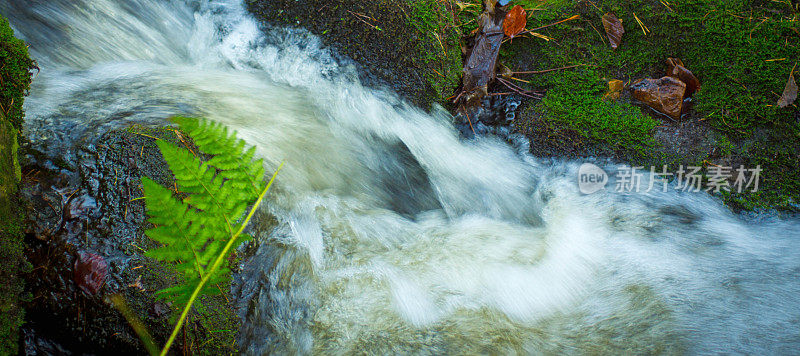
(671, 62)
(614, 89)
(789, 93)
(515, 21)
(614, 29)
(479, 67)
(676, 69)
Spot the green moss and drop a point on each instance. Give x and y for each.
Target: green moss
(733, 51)
(11, 288)
(211, 330)
(742, 53)
(15, 72)
(575, 101)
(439, 48)
(14, 82)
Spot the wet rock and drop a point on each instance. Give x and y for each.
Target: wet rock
(664, 95)
(393, 56)
(36, 345)
(494, 112)
(82, 206)
(85, 239)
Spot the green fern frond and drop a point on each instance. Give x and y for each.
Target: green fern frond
(195, 224)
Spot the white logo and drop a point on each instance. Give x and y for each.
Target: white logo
(591, 178)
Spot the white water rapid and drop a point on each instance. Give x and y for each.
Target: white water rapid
(394, 235)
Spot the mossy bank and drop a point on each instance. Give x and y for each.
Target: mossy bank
(409, 46)
(742, 52)
(15, 78)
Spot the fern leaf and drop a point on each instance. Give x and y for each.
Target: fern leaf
(195, 224)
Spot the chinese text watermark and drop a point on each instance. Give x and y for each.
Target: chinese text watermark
(715, 179)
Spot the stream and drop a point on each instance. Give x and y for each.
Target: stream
(395, 235)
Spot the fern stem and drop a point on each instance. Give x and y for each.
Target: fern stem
(216, 265)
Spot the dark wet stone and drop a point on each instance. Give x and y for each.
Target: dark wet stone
(82, 206)
(390, 57)
(85, 240)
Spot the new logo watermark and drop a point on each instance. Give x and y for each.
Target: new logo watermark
(591, 178)
(626, 179)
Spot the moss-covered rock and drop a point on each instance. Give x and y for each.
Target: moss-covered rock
(15, 78)
(15, 72)
(411, 46)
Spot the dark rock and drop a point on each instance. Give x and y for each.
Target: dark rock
(82, 206)
(492, 112)
(85, 239)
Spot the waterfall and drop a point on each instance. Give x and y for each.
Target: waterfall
(395, 235)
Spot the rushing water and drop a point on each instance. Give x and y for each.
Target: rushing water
(394, 235)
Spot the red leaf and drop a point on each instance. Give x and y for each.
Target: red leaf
(515, 21)
(614, 29)
(90, 272)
